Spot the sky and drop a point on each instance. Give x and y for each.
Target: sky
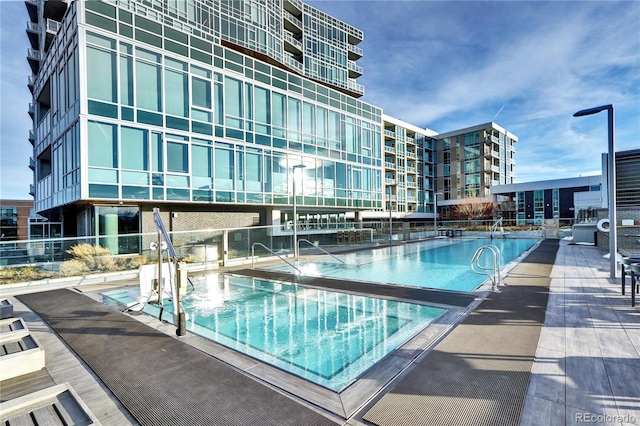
(445, 65)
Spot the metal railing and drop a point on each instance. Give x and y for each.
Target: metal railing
(480, 269)
(321, 249)
(273, 253)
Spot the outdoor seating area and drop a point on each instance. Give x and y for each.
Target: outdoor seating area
(451, 232)
(354, 236)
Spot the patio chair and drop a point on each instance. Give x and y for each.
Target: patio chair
(625, 264)
(635, 274)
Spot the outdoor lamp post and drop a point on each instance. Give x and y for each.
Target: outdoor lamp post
(611, 166)
(295, 211)
(435, 212)
(393, 185)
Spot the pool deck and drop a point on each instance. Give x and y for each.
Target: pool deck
(586, 367)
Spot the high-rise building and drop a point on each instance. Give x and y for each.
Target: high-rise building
(470, 161)
(205, 108)
(198, 107)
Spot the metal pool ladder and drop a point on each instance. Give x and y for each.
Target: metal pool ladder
(253, 256)
(480, 269)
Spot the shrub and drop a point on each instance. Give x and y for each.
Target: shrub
(73, 267)
(95, 257)
(22, 274)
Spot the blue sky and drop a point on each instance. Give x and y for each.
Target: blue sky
(446, 65)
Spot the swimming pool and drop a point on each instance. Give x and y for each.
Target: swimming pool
(326, 337)
(437, 263)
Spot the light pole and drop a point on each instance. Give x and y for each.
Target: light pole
(295, 211)
(435, 212)
(393, 185)
(611, 166)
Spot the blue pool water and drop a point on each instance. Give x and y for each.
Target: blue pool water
(439, 263)
(326, 337)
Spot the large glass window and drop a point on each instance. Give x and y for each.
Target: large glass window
(133, 142)
(202, 166)
(102, 74)
(233, 102)
(112, 222)
(102, 143)
(177, 93)
(148, 82)
(224, 168)
(177, 157)
(254, 171)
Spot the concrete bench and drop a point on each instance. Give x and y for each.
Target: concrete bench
(19, 354)
(56, 405)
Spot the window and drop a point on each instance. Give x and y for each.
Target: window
(177, 93)
(177, 157)
(101, 74)
(103, 150)
(134, 143)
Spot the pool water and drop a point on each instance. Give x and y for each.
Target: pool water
(439, 263)
(326, 337)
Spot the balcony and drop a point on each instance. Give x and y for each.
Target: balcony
(389, 165)
(389, 133)
(293, 6)
(411, 169)
(291, 23)
(292, 62)
(32, 190)
(291, 44)
(52, 28)
(389, 149)
(354, 52)
(354, 87)
(33, 32)
(389, 181)
(32, 163)
(32, 137)
(31, 81)
(355, 70)
(32, 110)
(55, 9)
(32, 9)
(34, 57)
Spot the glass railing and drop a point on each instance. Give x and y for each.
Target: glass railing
(38, 260)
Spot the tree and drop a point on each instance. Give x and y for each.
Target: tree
(474, 208)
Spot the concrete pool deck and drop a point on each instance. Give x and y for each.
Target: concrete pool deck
(586, 367)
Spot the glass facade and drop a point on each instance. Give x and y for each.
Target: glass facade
(173, 115)
(203, 103)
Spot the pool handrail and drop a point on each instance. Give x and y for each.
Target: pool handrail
(272, 252)
(496, 279)
(321, 249)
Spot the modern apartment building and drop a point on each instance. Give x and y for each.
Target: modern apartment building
(216, 112)
(560, 199)
(470, 161)
(200, 108)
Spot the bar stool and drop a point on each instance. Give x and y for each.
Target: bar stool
(635, 274)
(626, 270)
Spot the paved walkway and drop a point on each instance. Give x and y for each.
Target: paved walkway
(587, 368)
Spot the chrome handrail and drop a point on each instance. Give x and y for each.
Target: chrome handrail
(321, 249)
(272, 252)
(476, 267)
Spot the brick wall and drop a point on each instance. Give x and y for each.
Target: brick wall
(628, 236)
